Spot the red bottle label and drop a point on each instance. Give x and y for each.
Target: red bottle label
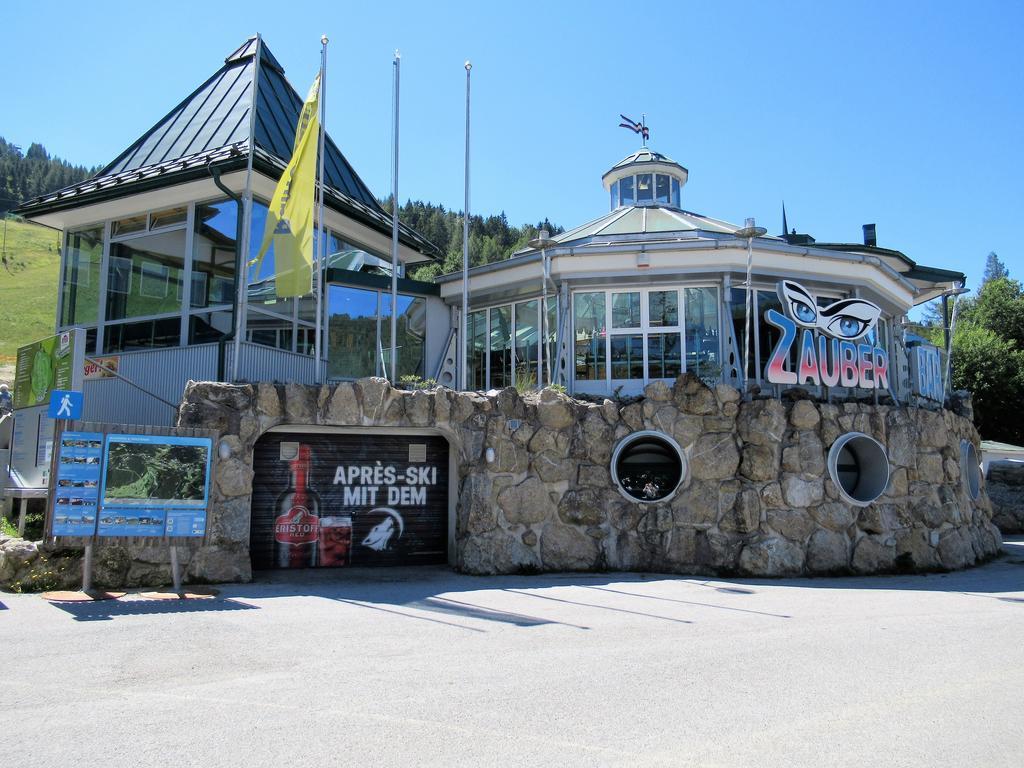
(297, 526)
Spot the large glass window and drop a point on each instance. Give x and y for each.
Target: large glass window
(501, 347)
(676, 331)
(615, 194)
(146, 275)
(352, 347)
(81, 280)
(590, 336)
(703, 342)
(125, 337)
(675, 193)
(412, 330)
(213, 265)
(526, 343)
(477, 353)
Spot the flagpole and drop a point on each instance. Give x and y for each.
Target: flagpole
(394, 232)
(242, 287)
(317, 282)
(463, 331)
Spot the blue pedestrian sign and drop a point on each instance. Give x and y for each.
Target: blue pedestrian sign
(65, 404)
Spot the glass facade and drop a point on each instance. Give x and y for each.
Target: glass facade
(504, 349)
(359, 333)
(651, 334)
(590, 336)
(83, 255)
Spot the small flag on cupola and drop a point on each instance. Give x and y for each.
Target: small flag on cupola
(636, 127)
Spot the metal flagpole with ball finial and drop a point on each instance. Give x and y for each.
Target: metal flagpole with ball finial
(463, 337)
(748, 233)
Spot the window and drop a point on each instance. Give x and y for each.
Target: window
(647, 466)
(213, 259)
(627, 356)
(145, 275)
(626, 310)
(352, 341)
(526, 347)
(477, 354)
(663, 308)
(675, 193)
(654, 334)
(644, 188)
(626, 194)
(703, 342)
(168, 217)
(501, 347)
(664, 356)
(661, 189)
(412, 331)
(615, 195)
(589, 333)
(81, 281)
(125, 337)
(129, 225)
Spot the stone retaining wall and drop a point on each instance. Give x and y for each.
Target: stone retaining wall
(757, 499)
(1005, 485)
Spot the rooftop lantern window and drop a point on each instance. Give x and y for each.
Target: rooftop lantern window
(645, 178)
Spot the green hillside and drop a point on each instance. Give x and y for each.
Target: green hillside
(28, 285)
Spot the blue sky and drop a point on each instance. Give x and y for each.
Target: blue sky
(906, 114)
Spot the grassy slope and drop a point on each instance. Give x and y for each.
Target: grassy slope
(28, 289)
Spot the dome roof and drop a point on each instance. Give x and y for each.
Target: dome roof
(642, 157)
(645, 219)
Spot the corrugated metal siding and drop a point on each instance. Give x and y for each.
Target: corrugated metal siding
(260, 363)
(164, 372)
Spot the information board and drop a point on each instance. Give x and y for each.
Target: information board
(76, 493)
(154, 483)
(56, 362)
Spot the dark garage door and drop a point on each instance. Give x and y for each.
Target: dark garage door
(335, 500)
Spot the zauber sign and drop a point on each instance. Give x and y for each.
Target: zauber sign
(833, 358)
(926, 372)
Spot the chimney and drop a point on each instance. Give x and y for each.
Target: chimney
(869, 235)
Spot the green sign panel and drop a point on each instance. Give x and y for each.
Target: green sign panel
(42, 367)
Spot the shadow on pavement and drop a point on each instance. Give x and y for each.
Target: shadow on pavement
(436, 594)
(105, 610)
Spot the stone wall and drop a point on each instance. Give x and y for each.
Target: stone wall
(1005, 485)
(757, 499)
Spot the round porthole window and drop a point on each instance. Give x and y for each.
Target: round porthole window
(648, 466)
(970, 469)
(859, 467)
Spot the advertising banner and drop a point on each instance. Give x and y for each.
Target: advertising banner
(153, 483)
(335, 500)
(101, 367)
(76, 496)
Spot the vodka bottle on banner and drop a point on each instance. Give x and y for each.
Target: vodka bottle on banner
(297, 526)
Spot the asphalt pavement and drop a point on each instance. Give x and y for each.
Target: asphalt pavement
(427, 667)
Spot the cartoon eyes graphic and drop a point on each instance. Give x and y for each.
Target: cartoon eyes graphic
(845, 319)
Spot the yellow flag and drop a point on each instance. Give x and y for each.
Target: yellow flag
(290, 217)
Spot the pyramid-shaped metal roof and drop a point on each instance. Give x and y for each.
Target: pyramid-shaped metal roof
(212, 124)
